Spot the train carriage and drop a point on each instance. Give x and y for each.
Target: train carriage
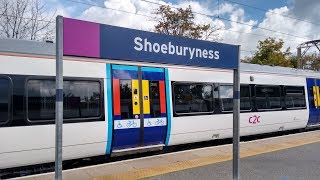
(116, 107)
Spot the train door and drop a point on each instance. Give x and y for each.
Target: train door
(314, 101)
(139, 107)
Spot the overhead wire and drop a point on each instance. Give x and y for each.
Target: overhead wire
(21, 17)
(265, 10)
(242, 23)
(89, 4)
(153, 17)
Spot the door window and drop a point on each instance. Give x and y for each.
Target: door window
(154, 99)
(126, 99)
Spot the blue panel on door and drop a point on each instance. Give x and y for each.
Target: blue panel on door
(154, 135)
(126, 138)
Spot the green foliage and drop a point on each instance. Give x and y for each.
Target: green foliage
(269, 53)
(180, 22)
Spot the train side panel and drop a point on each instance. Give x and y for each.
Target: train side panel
(26, 145)
(194, 128)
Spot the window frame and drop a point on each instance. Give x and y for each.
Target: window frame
(10, 96)
(68, 120)
(191, 83)
(220, 100)
(285, 98)
(255, 97)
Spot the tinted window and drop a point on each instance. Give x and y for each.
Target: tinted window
(268, 97)
(81, 99)
(193, 98)
(154, 99)
(294, 97)
(4, 99)
(126, 99)
(226, 97)
(245, 100)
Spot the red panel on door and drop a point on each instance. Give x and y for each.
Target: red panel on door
(162, 97)
(116, 97)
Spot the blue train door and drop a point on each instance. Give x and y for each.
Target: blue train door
(139, 107)
(314, 101)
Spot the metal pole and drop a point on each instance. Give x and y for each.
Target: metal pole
(59, 97)
(299, 60)
(236, 115)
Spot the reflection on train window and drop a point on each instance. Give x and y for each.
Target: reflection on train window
(245, 99)
(268, 97)
(226, 97)
(294, 97)
(193, 98)
(4, 100)
(81, 99)
(126, 99)
(154, 99)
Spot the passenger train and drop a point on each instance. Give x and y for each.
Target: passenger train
(114, 107)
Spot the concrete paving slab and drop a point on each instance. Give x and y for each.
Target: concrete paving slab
(180, 156)
(147, 162)
(108, 169)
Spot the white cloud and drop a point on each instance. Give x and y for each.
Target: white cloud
(121, 18)
(230, 29)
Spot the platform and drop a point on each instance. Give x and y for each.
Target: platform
(287, 157)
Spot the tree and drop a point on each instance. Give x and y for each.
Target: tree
(180, 22)
(269, 53)
(25, 19)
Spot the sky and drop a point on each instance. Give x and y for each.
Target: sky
(241, 22)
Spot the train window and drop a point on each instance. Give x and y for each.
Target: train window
(226, 98)
(268, 97)
(81, 99)
(245, 98)
(294, 97)
(126, 99)
(193, 98)
(154, 99)
(4, 100)
(41, 99)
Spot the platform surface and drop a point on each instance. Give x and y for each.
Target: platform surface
(298, 163)
(282, 158)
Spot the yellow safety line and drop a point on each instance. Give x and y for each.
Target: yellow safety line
(188, 164)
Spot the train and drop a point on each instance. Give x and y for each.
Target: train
(114, 107)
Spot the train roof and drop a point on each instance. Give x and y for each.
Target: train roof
(18, 46)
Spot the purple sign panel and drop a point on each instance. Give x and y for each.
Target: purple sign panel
(81, 38)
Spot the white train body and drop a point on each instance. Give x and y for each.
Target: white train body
(31, 143)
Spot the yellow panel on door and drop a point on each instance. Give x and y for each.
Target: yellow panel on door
(145, 96)
(318, 95)
(135, 97)
(315, 90)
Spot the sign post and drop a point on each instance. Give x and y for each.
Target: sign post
(236, 115)
(94, 40)
(59, 97)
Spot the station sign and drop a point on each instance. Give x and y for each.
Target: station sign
(88, 39)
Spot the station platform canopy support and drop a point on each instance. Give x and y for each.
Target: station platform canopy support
(92, 40)
(306, 46)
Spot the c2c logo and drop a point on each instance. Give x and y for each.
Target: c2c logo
(254, 119)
